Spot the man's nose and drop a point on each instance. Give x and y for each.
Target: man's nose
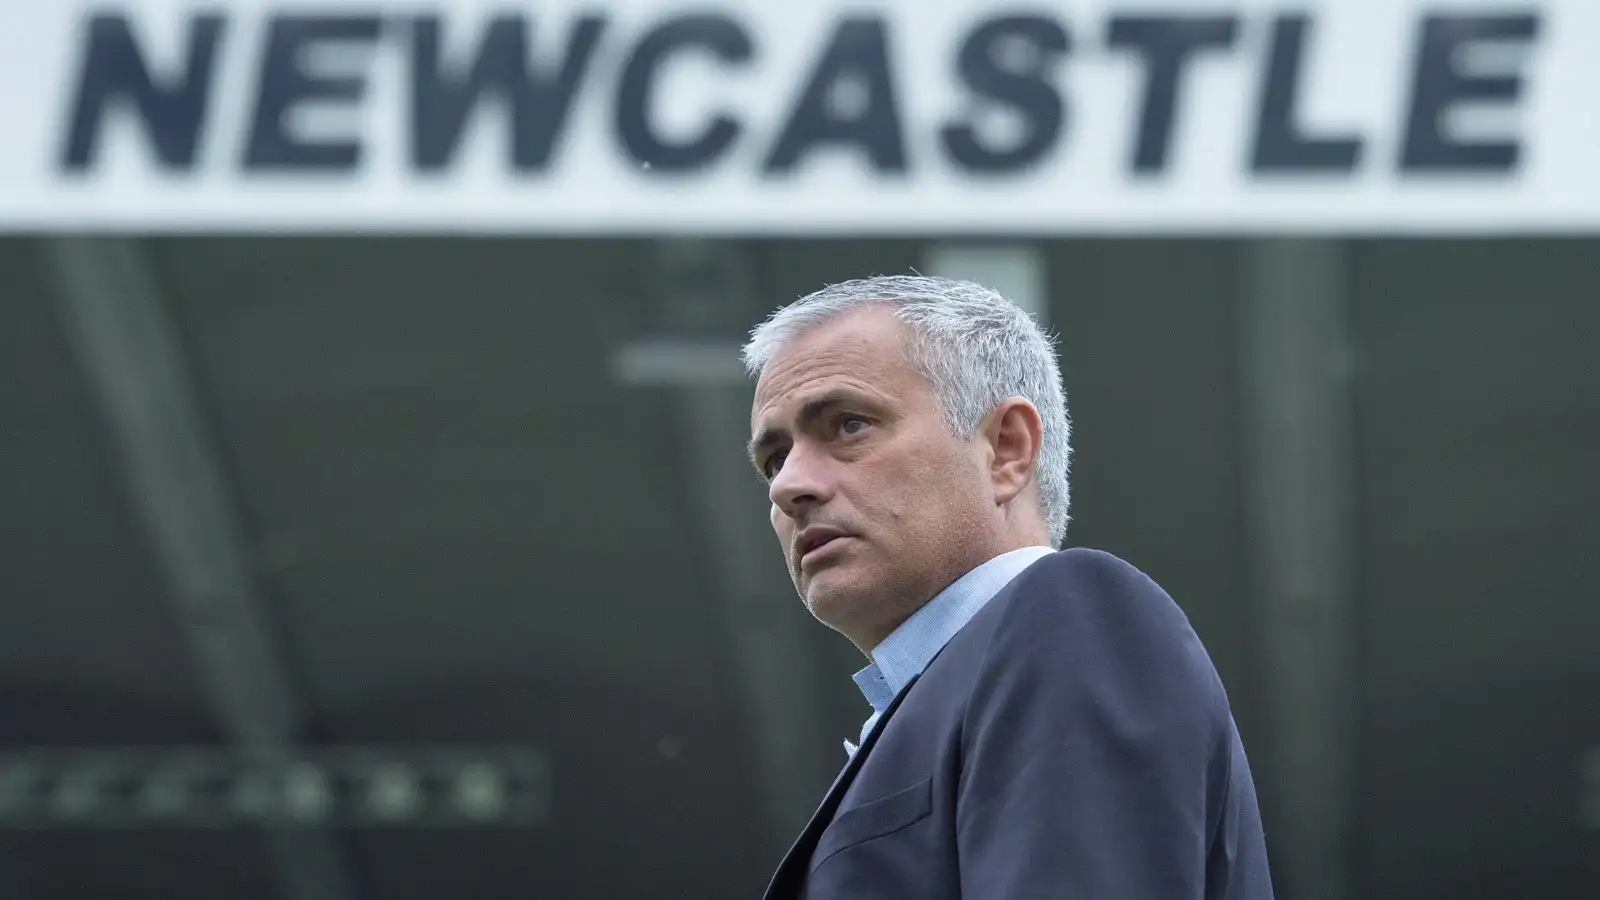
(800, 483)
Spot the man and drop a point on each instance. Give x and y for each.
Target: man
(1045, 723)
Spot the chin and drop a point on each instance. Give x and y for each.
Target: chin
(831, 591)
(835, 597)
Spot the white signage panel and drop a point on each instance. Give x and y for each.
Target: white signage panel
(758, 117)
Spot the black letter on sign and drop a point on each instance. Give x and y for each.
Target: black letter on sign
(718, 34)
(1167, 44)
(539, 103)
(1280, 145)
(1025, 86)
(113, 69)
(1439, 85)
(284, 84)
(858, 57)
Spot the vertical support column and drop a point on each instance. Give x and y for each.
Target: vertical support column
(116, 320)
(696, 354)
(1297, 453)
(1589, 789)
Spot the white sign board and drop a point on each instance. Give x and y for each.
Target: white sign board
(823, 116)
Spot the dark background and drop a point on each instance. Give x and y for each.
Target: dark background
(465, 529)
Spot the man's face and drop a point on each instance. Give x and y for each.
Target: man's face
(876, 504)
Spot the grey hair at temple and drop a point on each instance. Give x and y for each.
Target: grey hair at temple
(975, 347)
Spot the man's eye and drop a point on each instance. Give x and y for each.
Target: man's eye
(772, 465)
(852, 424)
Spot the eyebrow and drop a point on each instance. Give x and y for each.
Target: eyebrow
(810, 410)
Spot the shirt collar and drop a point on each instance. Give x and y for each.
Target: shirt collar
(908, 649)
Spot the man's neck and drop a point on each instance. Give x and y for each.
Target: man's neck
(888, 627)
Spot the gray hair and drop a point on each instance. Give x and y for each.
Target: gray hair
(976, 349)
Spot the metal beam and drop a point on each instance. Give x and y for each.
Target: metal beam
(118, 324)
(1297, 448)
(703, 286)
(680, 362)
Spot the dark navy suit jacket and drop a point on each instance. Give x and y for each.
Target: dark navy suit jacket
(1073, 740)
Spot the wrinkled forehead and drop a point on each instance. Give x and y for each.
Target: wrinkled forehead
(865, 350)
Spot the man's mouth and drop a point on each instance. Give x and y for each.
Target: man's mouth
(814, 539)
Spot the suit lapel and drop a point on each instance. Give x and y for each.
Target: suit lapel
(791, 872)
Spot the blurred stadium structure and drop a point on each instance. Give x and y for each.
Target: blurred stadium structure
(375, 521)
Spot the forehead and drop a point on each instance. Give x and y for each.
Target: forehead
(863, 351)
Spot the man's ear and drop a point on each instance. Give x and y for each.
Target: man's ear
(1013, 432)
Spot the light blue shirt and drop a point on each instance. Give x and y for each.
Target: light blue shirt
(908, 649)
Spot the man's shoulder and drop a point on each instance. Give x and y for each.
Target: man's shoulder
(1083, 562)
(1082, 581)
(1085, 608)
